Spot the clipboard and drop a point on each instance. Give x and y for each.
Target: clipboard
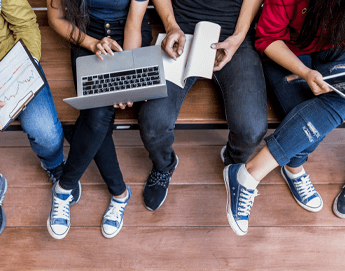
(20, 81)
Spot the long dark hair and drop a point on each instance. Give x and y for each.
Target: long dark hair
(76, 13)
(329, 16)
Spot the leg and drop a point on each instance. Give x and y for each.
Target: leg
(157, 121)
(41, 123)
(92, 138)
(244, 92)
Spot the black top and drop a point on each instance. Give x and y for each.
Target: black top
(223, 12)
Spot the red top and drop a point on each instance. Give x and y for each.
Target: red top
(281, 20)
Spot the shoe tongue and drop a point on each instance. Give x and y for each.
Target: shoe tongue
(62, 196)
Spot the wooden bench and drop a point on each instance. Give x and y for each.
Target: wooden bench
(202, 109)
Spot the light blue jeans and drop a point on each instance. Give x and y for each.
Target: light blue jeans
(40, 122)
(307, 118)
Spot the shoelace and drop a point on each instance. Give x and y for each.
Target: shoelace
(246, 201)
(304, 187)
(61, 208)
(115, 210)
(55, 173)
(159, 178)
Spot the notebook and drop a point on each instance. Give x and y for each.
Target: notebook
(20, 81)
(132, 75)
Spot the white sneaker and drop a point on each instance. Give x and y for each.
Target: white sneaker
(113, 217)
(59, 220)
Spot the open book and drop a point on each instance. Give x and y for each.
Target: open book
(197, 58)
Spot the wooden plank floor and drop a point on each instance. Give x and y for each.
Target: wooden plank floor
(190, 231)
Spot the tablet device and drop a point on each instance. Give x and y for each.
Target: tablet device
(20, 81)
(337, 83)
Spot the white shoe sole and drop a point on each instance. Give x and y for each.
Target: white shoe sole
(335, 211)
(310, 209)
(53, 234)
(114, 234)
(222, 153)
(230, 216)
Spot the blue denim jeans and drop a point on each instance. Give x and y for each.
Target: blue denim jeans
(243, 87)
(307, 118)
(92, 135)
(41, 123)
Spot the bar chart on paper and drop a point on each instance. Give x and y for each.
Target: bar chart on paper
(19, 80)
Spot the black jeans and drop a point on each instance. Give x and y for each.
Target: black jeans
(243, 86)
(92, 135)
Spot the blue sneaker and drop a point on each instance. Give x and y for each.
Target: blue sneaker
(113, 217)
(3, 190)
(55, 173)
(226, 159)
(59, 220)
(304, 192)
(239, 200)
(339, 204)
(156, 188)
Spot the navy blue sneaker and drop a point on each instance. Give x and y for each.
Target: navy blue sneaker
(55, 173)
(156, 188)
(113, 217)
(239, 200)
(339, 204)
(3, 190)
(224, 156)
(304, 192)
(59, 220)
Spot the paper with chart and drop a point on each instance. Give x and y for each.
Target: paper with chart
(19, 81)
(197, 58)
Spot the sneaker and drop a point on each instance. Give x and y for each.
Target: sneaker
(304, 192)
(339, 204)
(113, 218)
(55, 174)
(156, 188)
(59, 220)
(239, 200)
(3, 189)
(222, 153)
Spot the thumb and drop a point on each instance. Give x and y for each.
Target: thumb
(218, 45)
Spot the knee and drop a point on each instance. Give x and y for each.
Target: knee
(48, 137)
(98, 120)
(253, 135)
(153, 128)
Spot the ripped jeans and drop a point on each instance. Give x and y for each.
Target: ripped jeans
(307, 118)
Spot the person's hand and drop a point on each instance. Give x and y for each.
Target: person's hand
(2, 104)
(173, 43)
(105, 46)
(123, 105)
(225, 51)
(316, 83)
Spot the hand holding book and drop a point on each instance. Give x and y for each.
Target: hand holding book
(197, 58)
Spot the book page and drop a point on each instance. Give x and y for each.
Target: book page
(174, 69)
(201, 57)
(19, 79)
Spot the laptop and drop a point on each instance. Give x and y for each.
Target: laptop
(132, 75)
(337, 83)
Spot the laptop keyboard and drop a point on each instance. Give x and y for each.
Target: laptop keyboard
(118, 81)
